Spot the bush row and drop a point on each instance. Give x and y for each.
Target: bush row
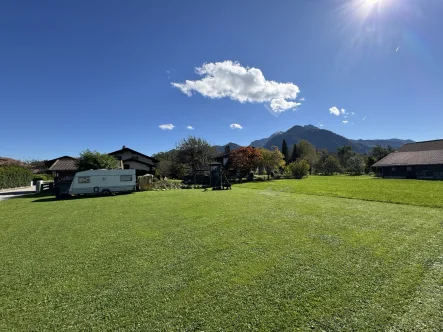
(42, 177)
(12, 176)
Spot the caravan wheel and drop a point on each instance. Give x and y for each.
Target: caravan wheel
(106, 192)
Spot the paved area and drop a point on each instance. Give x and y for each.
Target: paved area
(16, 192)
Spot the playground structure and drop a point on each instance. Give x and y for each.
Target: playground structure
(218, 178)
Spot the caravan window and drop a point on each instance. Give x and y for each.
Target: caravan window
(125, 177)
(84, 179)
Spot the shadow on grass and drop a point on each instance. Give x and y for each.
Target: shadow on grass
(44, 198)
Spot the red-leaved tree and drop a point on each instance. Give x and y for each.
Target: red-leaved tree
(245, 159)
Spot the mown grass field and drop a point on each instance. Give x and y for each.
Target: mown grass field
(265, 257)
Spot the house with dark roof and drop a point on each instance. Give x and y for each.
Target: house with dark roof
(63, 168)
(132, 159)
(421, 160)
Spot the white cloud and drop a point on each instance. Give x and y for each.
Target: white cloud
(229, 79)
(345, 122)
(235, 126)
(302, 99)
(364, 118)
(320, 125)
(190, 127)
(168, 126)
(334, 110)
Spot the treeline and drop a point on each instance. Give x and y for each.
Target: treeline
(344, 160)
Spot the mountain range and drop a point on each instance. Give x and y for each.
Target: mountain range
(320, 138)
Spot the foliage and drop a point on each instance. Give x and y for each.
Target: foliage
(13, 176)
(356, 165)
(96, 160)
(169, 165)
(245, 159)
(307, 152)
(294, 154)
(271, 159)
(194, 152)
(284, 150)
(246, 259)
(42, 177)
(327, 164)
(298, 169)
(379, 152)
(344, 153)
(370, 160)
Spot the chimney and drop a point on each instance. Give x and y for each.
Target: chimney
(124, 147)
(227, 149)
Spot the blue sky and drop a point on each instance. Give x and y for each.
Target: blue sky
(78, 75)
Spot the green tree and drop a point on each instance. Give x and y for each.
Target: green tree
(307, 152)
(298, 169)
(194, 152)
(344, 153)
(96, 160)
(284, 150)
(356, 165)
(370, 160)
(327, 164)
(169, 165)
(271, 159)
(379, 152)
(294, 154)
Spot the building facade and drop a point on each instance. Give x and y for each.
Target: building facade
(421, 160)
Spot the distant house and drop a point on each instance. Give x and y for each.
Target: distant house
(223, 158)
(63, 168)
(132, 159)
(421, 160)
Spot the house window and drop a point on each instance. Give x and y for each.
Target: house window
(394, 169)
(84, 179)
(125, 177)
(409, 169)
(126, 166)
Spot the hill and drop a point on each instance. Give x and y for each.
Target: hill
(324, 139)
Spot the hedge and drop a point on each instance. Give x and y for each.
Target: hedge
(14, 176)
(42, 177)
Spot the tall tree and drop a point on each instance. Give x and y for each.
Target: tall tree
(327, 164)
(195, 153)
(356, 165)
(271, 159)
(307, 152)
(245, 159)
(370, 160)
(169, 165)
(96, 160)
(284, 150)
(344, 153)
(295, 154)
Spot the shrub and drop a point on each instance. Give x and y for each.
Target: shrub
(13, 176)
(356, 165)
(298, 169)
(42, 177)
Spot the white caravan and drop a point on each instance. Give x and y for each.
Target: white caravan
(103, 181)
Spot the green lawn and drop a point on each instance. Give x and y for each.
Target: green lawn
(243, 259)
(411, 192)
